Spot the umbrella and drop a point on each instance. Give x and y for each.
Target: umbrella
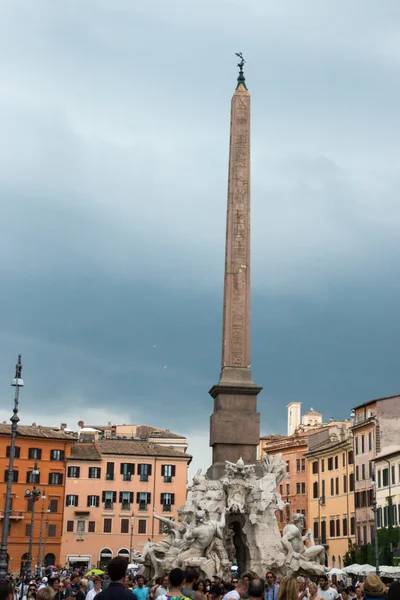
(95, 572)
(359, 569)
(390, 572)
(133, 566)
(335, 571)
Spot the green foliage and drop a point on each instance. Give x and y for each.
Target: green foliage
(365, 554)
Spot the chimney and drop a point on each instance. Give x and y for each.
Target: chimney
(63, 426)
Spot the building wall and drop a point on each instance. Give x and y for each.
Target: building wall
(90, 544)
(388, 486)
(18, 540)
(323, 465)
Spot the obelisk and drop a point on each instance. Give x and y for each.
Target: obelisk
(235, 422)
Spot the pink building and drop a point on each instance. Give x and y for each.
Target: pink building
(112, 488)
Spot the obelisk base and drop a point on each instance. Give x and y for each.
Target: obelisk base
(234, 424)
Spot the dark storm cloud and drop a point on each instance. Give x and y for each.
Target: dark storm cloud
(114, 148)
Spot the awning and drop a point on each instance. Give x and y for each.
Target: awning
(80, 558)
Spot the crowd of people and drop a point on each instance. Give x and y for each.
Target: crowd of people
(119, 584)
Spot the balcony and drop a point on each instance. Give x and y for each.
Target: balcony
(167, 478)
(125, 505)
(167, 508)
(110, 476)
(16, 515)
(109, 504)
(144, 477)
(142, 505)
(127, 477)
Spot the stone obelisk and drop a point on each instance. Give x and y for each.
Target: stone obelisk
(235, 422)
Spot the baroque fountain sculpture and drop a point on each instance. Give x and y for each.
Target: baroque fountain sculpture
(232, 521)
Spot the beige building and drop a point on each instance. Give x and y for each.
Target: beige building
(387, 474)
(376, 426)
(330, 474)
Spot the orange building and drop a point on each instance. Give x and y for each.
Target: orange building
(50, 448)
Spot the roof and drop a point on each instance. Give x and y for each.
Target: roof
(85, 451)
(150, 431)
(38, 431)
(139, 448)
(312, 412)
(388, 451)
(375, 400)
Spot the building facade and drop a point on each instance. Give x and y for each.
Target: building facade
(113, 489)
(49, 448)
(387, 474)
(376, 426)
(330, 473)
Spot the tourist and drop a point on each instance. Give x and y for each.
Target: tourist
(272, 588)
(96, 590)
(200, 586)
(6, 590)
(141, 591)
(175, 586)
(256, 589)
(240, 591)
(313, 589)
(43, 583)
(31, 591)
(80, 594)
(325, 591)
(216, 592)
(345, 594)
(191, 578)
(46, 593)
(117, 568)
(359, 592)
(374, 588)
(55, 585)
(393, 591)
(302, 591)
(288, 588)
(208, 585)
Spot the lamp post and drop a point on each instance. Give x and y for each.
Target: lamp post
(33, 495)
(131, 542)
(375, 509)
(45, 539)
(39, 558)
(17, 382)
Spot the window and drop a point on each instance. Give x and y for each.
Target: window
(352, 525)
(35, 453)
(56, 454)
(70, 527)
(107, 526)
(323, 532)
(109, 498)
(303, 488)
(124, 525)
(127, 470)
(92, 527)
(345, 532)
(332, 486)
(17, 452)
(74, 472)
(370, 441)
(337, 527)
(316, 530)
(303, 464)
(393, 474)
(94, 473)
(53, 505)
(351, 482)
(110, 471)
(31, 478)
(298, 464)
(356, 444)
(323, 490)
(51, 530)
(315, 489)
(143, 499)
(168, 472)
(350, 457)
(370, 470)
(14, 476)
(365, 534)
(71, 500)
(144, 472)
(281, 490)
(379, 517)
(315, 467)
(142, 526)
(362, 444)
(126, 499)
(288, 467)
(298, 488)
(331, 528)
(379, 478)
(336, 462)
(80, 527)
(357, 473)
(330, 464)
(337, 486)
(93, 501)
(385, 477)
(287, 489)
(363, 499)
(344, 484)
(344, 459)
(363, 472)
(55, 478)
(323, 465)
(167, 500)
(27, 529)
(370, 497)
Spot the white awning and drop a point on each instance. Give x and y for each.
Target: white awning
(80, 558)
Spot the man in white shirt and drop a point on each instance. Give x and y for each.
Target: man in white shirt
(325, 591)
(238, 592)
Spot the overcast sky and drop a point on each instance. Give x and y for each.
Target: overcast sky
(114, 119)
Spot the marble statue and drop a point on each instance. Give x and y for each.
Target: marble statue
(233, 521)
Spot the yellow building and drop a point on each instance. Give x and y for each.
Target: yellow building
(330, 474)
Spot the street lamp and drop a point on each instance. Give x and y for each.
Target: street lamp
(131, 542)
(39, 558)
(17, 382)
(33, 495)
(375, 509)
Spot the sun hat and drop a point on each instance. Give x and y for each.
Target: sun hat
(374, 586)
